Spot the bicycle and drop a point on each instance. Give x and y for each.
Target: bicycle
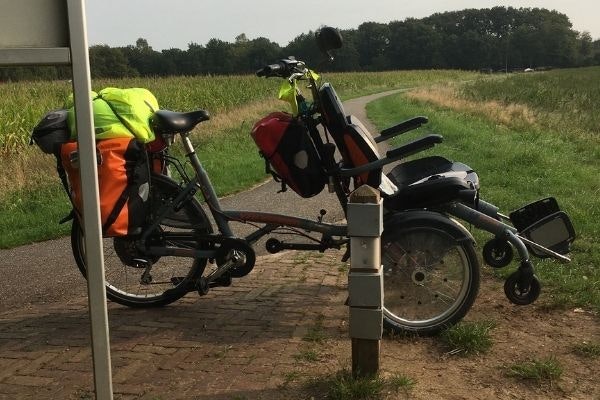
(431, 269)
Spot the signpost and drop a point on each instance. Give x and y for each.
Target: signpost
(365, 280)
(53, 32)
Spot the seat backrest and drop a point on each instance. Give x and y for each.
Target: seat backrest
(333, 110)
(353, 140)
(360, 149)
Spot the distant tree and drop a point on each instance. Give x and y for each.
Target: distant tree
(241, 38)
(414, 44)
(143, 58)
(258, 53)
(109, 62)
(194, 60)
(372, 40)
(218, 56)
(172, 61)
(303, 47)
(497, 37)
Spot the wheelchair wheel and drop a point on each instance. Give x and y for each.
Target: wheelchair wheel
(497, 253)
(430, 278)
(170, 278)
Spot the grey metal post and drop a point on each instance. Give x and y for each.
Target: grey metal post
(365, 281)
(91, 211)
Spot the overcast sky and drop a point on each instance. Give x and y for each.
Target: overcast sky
(176, 23)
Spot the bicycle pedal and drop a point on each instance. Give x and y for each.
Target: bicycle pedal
(222, 281)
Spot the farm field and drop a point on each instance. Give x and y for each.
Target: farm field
(31, 198)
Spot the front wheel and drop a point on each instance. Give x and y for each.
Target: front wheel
(431, 278)
(127, 281)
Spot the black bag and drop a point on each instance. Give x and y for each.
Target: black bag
(51, 132)
(286, 145)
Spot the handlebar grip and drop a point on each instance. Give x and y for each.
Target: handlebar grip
(270, 70)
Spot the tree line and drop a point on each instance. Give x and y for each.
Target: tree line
(498, 38)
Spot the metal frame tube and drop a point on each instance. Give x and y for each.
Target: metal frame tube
(91, 211)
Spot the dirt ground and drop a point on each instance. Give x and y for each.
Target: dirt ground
(520, 334)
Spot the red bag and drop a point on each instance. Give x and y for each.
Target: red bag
(286, 145)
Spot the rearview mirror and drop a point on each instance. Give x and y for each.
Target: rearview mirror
(328, 39)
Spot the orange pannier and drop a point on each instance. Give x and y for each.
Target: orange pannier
(123, 182)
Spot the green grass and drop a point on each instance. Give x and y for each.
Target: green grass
(567, 98)
(35, 214)
(542, 370)
(401, 383)
(316, 334)
(468, 338)
(517, 166)
(342, 386)
(588, 349)
(307, 355)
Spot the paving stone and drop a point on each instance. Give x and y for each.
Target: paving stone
(236, 342)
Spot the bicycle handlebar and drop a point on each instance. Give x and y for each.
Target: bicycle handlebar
(281, 69)
(271, 70)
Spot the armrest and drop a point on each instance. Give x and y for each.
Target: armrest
(400, 128)
(396, 154)
(415, 146)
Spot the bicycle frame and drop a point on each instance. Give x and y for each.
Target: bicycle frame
(222, 217)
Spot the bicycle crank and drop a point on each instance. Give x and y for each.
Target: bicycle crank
(234, 256)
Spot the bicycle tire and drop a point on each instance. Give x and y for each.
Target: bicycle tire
(172, 277)
(431, 278)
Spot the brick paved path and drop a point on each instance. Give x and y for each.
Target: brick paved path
(238, 342)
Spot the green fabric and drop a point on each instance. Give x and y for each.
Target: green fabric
(288, 91)
(133, 107)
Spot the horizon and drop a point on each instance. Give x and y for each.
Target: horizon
(107, 27)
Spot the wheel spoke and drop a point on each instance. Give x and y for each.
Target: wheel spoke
(427, 277)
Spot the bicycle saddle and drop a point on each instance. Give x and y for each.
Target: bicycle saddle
(169, 122)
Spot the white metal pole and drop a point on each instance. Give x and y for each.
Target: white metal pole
(91, 211)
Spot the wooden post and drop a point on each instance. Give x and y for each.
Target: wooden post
(365, 283)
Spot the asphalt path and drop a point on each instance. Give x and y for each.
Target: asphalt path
(45, 272)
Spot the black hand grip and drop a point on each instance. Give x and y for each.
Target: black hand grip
(402, 127)
(415, 146)
(271, 70)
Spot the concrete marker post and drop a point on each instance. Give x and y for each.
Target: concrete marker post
(365, 281)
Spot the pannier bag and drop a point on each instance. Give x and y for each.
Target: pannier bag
(123, 182)
(51, 132)
(286, 145)
(122, 129)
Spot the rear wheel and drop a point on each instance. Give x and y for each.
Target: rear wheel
(430, 278)
(169, 278)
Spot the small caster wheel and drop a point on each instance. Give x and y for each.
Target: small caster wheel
(497, 253)
(520, 296)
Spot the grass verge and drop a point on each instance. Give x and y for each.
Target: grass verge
(518, 165)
